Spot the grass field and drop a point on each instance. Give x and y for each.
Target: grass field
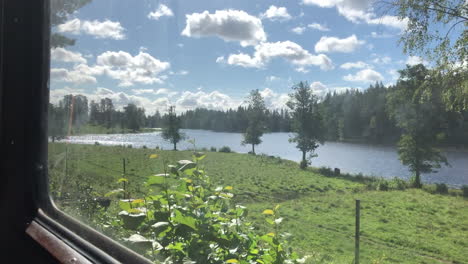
(398, 226)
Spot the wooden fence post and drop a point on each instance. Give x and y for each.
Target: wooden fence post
(358, 222)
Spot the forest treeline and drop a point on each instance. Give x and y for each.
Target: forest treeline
(353, 115)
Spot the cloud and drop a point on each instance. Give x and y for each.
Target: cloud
(71, 76)
(321, 89)
(382, 60)
(274, 100)
(272, 78)
(288, 50)
(366, 75)
(98, 29)
(357, 65)
(63, 55)
(381, 35)
(122, 66)
(414, 60)
(360, 11)
(276, 13)
(213, 100)
(229, 25)
(142, 68)
(333, 44)
(321, 3)
(318, 27)
(298, 30)
(162, 10)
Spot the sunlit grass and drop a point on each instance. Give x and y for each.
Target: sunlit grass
(409, 226)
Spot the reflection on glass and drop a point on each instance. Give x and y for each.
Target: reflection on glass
(241, 132)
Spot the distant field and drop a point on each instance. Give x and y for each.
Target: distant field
(408, 226)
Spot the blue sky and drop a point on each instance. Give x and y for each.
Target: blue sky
(211, 53)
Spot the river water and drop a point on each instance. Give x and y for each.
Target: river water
(372, 160)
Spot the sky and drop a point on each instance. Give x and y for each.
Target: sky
(212, 53)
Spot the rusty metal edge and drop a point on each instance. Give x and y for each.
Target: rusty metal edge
(54, 245)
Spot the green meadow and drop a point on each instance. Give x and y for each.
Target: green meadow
(398, 224)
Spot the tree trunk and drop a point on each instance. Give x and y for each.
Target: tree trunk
(417, 180)
(175, 146)
(253, 149)
(303, 156)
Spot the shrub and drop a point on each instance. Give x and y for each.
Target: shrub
(182, 219)
(144, 146)
(213, 149)
(398, 184)
(465, 191)
(303, 164)
(157, 147)
(96, 143)
(225, 149)
(441, 188)
(382, 185)
(327, 171)
(129, 146)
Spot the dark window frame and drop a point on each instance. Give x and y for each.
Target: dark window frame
(24, 99)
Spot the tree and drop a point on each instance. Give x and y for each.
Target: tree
(419, 119)
(134, 117)
(437, 29)
(171, 131)
(256, 119)
(306, 120)
(56, 124)
(60, 9)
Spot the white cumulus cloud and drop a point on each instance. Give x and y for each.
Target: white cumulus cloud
(276, 13)
(161, 11)
(298, 30)
(414, 60)
(333, 44)
(142, 68)
(229, 25)
(288, 50)
(318, 26)
(360, 11)
(366, 75)
(98, 29)
(357, 65)
(63, 55)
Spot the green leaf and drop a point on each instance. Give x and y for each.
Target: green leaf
(232, 261)
(185, 220)
(113, 192)
(156, 179)
(125, 205)
(153, 156)
(122, 180)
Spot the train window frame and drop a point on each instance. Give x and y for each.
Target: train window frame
(24, 96)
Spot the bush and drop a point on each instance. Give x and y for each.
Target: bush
(382, 185)
(157, 147)
(441, 188)
(327, 171)
(129, 146)
(303, 164)
(225, 149)
(213, 149)
(145, 147)
(398, 184)
(185, 232)
(96, 143)
(465, 191)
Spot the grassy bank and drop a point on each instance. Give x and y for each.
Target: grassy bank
(398, 226)
(92, 129)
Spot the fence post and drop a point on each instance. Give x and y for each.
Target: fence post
(358, 222)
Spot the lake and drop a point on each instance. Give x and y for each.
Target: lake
(373, 160)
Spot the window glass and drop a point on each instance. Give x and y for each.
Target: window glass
(263, 131)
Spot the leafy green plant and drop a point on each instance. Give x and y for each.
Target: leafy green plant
(183, 217)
